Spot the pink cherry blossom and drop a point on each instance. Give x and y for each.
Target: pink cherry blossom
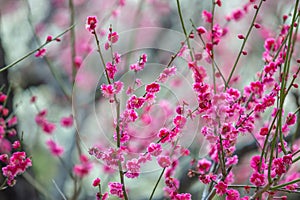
(257, 179)
(164, 161)
(221, 188)
(115, 189)
(84, 167)
(96, 182)
(153, 88)
(54, 148)
(91, 23)
(66, 121)
(154, 149)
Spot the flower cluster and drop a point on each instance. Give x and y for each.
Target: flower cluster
(84, 167)
(13, 163)
(197, 118)
(140, 65)
(16, 165)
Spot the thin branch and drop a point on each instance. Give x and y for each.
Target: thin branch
(157, 182)
(35, 50)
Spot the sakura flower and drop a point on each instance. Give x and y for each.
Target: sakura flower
(278, 166)
(201, 30)
(3, 97)
(257, 179)
(255, 163)
(179, 121)
(115, 189)
(66, 121)
(140, 65)
(264, 131)
(48, 127)
(133, 167)
(83, 168)
(143, 158)
(12, 121)
(113, 37)
(40, 118)
(91, 23)
(270, 44)
(203, 165)
(135, 102)
(49, 38)
(232, 160)
(18, 163)
(232, 194)
(164, 161)
(111, 70)
(237, 15)
(152, 88)
(16, 144)
(154, 149)
(166, 73)
(221, 188)
(164, 134)
(102, 196)
(117, 58)
(182, 196)
(55, 149)
(40, 53)
(291, 119)
(257, 87)
(207, 16)
(4, 158)
(110, 90)
(96, 182)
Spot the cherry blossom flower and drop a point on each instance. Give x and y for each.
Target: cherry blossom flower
(48, 127)
(264, 131)
(164, 161)
(203, 165)
(201, 30)
(291, 119)
(207, 16)
(166, 74)
(3, 97)
(270, 44)
(55, 149)
(140, 65)
(113, 37)
(91, 23)
(18, 163)
(135, 102)
(133, 167)
(66, 121)
(40, 53)
(115, 189)
(179, 121)
(16, 144)
(164, 134)
(154, 149)
(255, 163)
(221, 188)
(152, 88)
(110, 90)
(84, 167)
(237, 15)
(111, 70)
(96, 182)
(232, 194)
(257, 179)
